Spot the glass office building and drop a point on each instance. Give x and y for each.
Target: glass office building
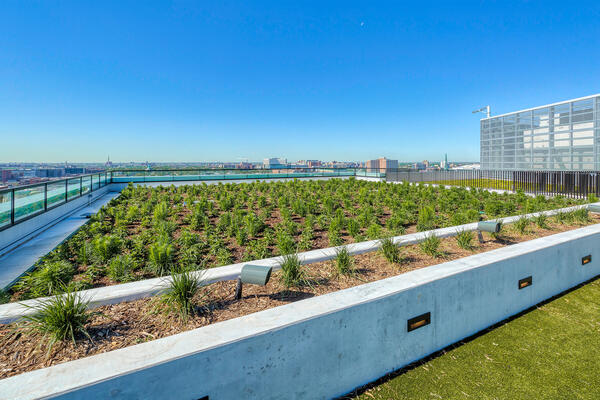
(562, 136)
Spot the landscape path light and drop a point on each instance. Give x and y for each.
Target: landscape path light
(487, 226)
(252, 274)
(595, 208)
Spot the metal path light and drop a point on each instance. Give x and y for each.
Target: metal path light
(595, 208)
(487, 226)
(253, 274)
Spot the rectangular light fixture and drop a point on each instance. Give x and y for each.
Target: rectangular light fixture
(418, 321)
(523, 283)
(586, 260)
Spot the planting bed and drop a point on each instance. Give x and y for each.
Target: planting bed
(126, 324)
(149, 232)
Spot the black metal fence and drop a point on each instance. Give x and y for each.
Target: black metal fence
(575, 184)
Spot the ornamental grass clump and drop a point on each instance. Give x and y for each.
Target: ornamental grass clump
(431, 246)
(344, 263)
(184, 294)
(581, 215)
(390, 251)
(541, 220)
(522, 224)
(464, 239)
(60, 318)
(292, 273)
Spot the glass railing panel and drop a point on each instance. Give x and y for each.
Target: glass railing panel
(86, 184)
(95, 181)
(5, 200)
(56, 193)
(28, 201)
(74, 187)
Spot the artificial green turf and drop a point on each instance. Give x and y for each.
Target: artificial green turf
(552, 352)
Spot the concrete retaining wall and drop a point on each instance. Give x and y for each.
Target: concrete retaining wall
(328, 345)
(150, 287)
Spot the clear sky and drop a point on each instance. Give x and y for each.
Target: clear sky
(343, 80)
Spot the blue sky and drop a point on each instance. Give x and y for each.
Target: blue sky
(343, 80)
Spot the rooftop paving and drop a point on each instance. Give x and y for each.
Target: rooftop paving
(551, 352)
(18, 261)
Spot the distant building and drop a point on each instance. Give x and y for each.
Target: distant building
(7, 175)
(381, 165)
(419, 166)
(563, 136)
(271, 163)
(75, 170)
(444, 163)
(49, 172)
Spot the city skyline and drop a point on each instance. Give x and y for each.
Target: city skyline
(344, 81)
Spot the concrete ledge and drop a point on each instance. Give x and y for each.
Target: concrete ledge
(327, 345)
(149, 287)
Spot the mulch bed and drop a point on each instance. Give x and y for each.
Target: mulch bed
(125, 324)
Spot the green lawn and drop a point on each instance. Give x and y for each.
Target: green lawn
(552, 352)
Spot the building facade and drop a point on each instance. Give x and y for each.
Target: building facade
(562, 136)
(381, 165)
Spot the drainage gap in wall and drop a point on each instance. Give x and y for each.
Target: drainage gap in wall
(419, 321)
(523, 283)
(586, 260)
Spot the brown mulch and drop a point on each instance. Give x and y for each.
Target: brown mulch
(125, 324)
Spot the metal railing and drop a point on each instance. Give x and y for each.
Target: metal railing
(575, 184)
(210, 174)
(21, 203)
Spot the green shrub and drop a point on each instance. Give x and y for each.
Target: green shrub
(426, 220)
(121, 268)
(105, 247)
(285, 243)
(464, 239)
(182, 294)
(344, 262)
(95, 272)
(85, 254)
(390, 251)
(4, 297)
(160, 258)
(431, 246)
(60, 318)
(353, 227)
(191, 257)
(47, 280)
(160, 213)
(223, 257)
(335, 239)
(292, 273)
(373, 231)
(592, 198)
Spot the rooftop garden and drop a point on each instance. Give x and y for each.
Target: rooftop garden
(551, 352)
(149, 232)
(64, 329)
